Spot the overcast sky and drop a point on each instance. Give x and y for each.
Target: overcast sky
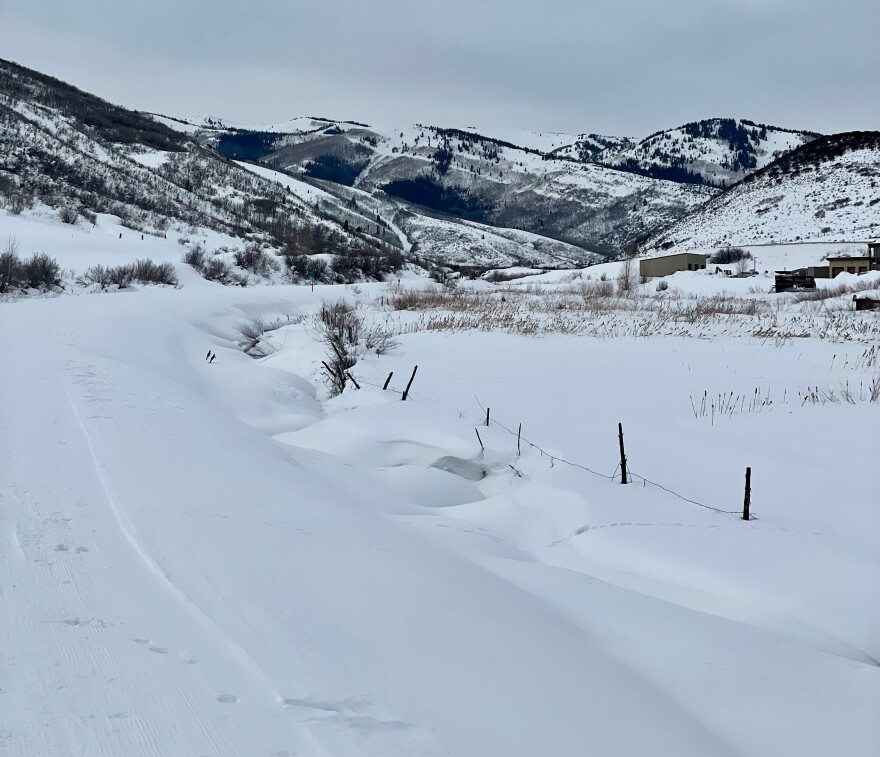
(624, 67)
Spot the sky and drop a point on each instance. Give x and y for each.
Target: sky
(622, 67)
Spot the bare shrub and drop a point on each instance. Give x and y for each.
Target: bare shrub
(419, 299)
(120, 276)
(341, 329)
(500, 276)
(255, 260)
(381, 339)
(97, 274)
(41, 271)
(662, 286)
(148, 272)
(195, 257)
(728, 255)
(218, 270)
(743, 265)
(628, 276)
(68, 215)
(20, 201)
(11, 272)
(598, 289)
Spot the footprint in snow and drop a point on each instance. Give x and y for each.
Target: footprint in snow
(228, 699)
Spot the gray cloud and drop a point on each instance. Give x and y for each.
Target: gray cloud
(613, 66)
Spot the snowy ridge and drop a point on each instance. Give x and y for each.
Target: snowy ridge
(476, 177)
(718, 151)
(825, 190)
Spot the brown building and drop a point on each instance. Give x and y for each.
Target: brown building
(683, 261)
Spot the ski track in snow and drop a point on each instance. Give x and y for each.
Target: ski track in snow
(181, 572)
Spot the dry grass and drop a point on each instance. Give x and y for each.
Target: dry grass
(594, 308)
(827, 293)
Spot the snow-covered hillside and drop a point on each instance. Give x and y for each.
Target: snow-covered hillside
(67, 152)
(826, 190)
(717, 151)
(219, 558)
(589, 148)
(466, 175)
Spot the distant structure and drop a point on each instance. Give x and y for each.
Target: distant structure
(863, 264)
(798, 280)
(866, 303)
(663, 266)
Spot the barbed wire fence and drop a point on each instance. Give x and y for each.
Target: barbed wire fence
(745, 514)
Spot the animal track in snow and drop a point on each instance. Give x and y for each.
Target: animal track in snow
(228, 699)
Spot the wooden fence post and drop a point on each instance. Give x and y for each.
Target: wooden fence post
(623, 478)
(487, 416)
(409, 384)
(747, 502)
(476, 431)
(387, 381)
(353, 381)
(518, 439)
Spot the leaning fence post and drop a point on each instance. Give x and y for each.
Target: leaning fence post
(518, 438)
(409, 384)
(387, 381)
(623, 478)
(487, 416)
(477, 432)
(747, 502)
(353, 381)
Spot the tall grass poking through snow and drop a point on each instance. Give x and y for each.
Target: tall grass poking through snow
(593, 308)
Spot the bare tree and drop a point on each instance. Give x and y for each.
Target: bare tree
(10, 265)
(628, 276)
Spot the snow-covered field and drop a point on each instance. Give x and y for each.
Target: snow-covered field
(218, 558)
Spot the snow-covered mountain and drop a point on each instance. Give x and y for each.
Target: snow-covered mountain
(444, 196)
(717, 151)
(827, 189)
(68, 150)
(589, 148)
(465, 175)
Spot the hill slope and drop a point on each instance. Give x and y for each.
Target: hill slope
(826, 189)
(67, 153)
(716, 151)
(463, 174)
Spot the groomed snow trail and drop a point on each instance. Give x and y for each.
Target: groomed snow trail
(197, 559)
